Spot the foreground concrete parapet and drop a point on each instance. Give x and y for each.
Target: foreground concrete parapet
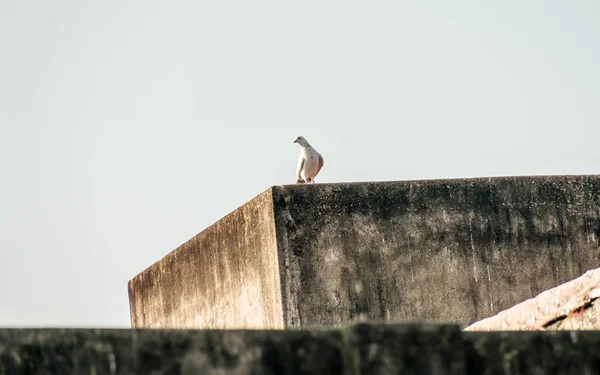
(354, 349)
(324, 254)
(403, 349)
(153, 351)
(537, 352)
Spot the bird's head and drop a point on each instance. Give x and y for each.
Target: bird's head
(301, 141)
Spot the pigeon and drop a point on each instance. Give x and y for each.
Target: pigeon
(310, 162)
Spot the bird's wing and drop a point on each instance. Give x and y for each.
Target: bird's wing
(300, 166)
(321, 162)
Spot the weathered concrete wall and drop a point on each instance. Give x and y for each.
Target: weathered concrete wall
(323, 254)
(438, 250)
(355, 349)
(225, 277)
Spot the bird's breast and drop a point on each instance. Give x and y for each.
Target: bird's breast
(310, 153)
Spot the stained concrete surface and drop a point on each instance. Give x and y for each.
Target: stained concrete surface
(225, 277)
(325, 254)
(436, 250)
(352, 349)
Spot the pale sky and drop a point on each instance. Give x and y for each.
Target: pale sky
(128, 127)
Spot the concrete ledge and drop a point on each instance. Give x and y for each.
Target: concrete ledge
(535, 352)
(352, 349)
(227, 276)
(325, 254)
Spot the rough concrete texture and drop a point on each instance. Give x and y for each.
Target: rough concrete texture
(540, 352)
(569, 306)
(225, 277)
(435, 250)
(354, 349)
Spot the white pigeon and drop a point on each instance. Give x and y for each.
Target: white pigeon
(310, 162)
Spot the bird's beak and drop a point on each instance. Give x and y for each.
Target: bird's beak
(295, 141)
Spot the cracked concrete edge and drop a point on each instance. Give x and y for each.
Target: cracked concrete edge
(536, 313)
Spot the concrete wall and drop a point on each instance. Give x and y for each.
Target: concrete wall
(353, 350)
(226, 276)
(439, 250)
(323, 254)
